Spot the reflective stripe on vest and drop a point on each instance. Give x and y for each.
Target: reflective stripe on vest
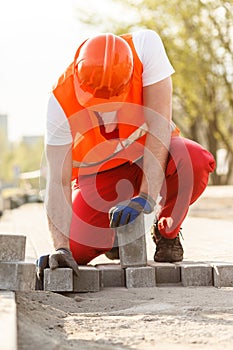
(136, 135)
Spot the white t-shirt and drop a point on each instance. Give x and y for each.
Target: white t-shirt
(156, 67)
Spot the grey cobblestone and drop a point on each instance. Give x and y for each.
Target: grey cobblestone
(139, 277)
(166, 273)
(111, 275)
(12, 247)
(223, 275)
(58, 280)
(88, 279)
(196, 274)
(17, 276)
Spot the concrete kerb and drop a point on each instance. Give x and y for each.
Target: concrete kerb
(15, 274)
(8, 321)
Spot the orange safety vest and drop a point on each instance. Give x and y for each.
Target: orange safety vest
(91, 152)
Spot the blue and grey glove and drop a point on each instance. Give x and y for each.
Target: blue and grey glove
(127, 211)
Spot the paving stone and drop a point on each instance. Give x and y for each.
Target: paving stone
(17, 276)
(132, 243)
(196, 275)
(166, 273)
(8, 321)
(58, 280)
(223, 275)
(88, 279)
(12, 247)
(138, 277)
(111, 275)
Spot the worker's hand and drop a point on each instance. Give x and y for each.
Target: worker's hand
(127, 211)
(60, 258)
(63, 257)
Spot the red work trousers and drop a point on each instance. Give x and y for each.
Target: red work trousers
(186, 177)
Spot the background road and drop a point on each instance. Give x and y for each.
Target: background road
(207, 230)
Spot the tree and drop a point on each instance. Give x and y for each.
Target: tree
(198, 37)
(21, 157)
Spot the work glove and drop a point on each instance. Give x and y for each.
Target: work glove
(62, 257)
(127, 211)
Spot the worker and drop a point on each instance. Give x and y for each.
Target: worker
(110, 134)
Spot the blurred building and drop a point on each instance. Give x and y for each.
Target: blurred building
(4, 141)
(33, 140)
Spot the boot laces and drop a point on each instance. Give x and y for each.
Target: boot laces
(162, 241)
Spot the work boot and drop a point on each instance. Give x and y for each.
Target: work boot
(113, 253)
(167, 250)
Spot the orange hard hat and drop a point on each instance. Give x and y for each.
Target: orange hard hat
(103, 69)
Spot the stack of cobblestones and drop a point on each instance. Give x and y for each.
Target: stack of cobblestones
(15, 273)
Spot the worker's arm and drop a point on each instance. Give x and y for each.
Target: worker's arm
(58, 194)
(158, 109)
(158, 99)
(59, 205)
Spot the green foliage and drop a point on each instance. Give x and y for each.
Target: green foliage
(21, 157)
(200, 48)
